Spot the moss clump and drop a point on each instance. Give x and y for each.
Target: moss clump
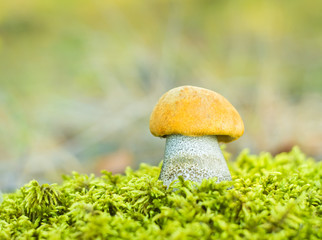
(272, 198)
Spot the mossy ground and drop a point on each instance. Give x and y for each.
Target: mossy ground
(271, 198)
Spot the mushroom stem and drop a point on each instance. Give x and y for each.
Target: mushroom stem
(194, 158)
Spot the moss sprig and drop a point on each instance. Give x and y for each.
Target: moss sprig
(41, 201)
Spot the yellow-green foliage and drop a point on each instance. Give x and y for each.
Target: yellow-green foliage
(271, 198)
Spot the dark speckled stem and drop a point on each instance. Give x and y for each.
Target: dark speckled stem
(194, 158)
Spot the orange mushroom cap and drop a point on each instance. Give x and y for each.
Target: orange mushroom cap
(195, 111)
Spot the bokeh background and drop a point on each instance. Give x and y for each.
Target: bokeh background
(79, 79)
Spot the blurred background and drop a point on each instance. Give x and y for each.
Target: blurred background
(79, 79)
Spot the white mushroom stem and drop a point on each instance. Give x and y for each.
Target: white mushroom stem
(194, 158)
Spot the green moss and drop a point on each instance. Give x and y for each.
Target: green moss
(269, 198)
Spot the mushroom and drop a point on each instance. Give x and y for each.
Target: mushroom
(193, 120)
